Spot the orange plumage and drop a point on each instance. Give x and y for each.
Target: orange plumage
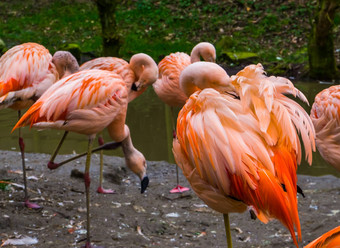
(142, 70)
(167, 86)
(331, 239)
(243, 152)
(26, 71)
(86, 97)
(325, 114)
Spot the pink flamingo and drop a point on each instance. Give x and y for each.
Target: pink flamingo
(238, 142)
(167, 86)
(330, 239)
(87, 102)
(26, 72)
(325, 114)
(141, 72)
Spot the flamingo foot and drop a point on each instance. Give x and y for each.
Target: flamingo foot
(101, 190)
(88, 245)
(179, 189)
(31, 205)
(52, 166)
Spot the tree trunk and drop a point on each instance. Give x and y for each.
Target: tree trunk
(322, 63)
(111, 39)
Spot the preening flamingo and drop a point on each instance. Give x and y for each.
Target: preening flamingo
(238, 142)
(325, 114)
(330, 239)
(26, 72)
(138, 74)
(167, 86)
(86, 102)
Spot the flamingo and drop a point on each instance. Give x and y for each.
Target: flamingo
(238, 142)
(167, 86)
(86, 102)
(141, 72)
(330, 239)
(26, 72)
(325, 114)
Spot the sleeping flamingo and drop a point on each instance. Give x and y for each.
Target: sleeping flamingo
(325, 114)
(26, 71)
(141, 72)
(238, 142)
(87, 102)
(167, 86)
(330, 239)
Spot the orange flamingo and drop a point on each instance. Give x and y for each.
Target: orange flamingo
(167, 86)
(26, 71)
(138, 74)
(331, 239)
(238, 142)
(87, 102)
(325, 114)
(141, 72)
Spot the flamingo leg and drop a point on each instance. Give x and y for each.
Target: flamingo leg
(87, 182)
(107, 146)
(22, 150)
(100, 189)
(227, 230)
(51, 165)
(178, 188)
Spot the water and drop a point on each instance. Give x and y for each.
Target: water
(149, 120)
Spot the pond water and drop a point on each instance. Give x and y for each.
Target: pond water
(149, 120)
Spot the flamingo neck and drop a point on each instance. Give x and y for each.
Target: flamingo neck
(205, 50)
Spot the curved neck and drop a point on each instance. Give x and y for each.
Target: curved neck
(145, 69)
(127, 145)
(201, 75)
(205, 50)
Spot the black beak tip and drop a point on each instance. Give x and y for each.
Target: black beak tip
(144, 184)
(134, 87)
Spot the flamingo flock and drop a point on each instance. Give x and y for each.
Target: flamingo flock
(238, 139)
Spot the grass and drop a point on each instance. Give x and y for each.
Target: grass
(276, 32)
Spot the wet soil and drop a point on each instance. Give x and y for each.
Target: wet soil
(153, 219)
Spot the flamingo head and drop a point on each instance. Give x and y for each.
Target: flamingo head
(145, 69)
(65, 63)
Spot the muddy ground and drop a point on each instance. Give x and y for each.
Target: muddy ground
(153, 219)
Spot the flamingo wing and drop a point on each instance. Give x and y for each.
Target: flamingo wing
(220, 144)
(325, 114)
(267, 97)
(117, 65)
(167, 86)
(27, 70)
(331, 239)
(85, 102)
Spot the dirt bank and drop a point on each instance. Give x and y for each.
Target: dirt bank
(154, 219)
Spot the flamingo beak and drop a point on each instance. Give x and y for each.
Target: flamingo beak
(134, 87)
(144, 184)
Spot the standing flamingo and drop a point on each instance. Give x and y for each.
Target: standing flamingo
(330, 239)
(87, 102)
(26, 71)
(238, 142)
(325, 114)
(141, 72)
(167, 86)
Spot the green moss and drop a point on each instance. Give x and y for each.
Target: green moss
(161, 27)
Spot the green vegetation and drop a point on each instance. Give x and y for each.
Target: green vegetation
(276, 31)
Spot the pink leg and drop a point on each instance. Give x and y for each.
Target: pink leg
(100, 188)
(178, 188)
(27, 203)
